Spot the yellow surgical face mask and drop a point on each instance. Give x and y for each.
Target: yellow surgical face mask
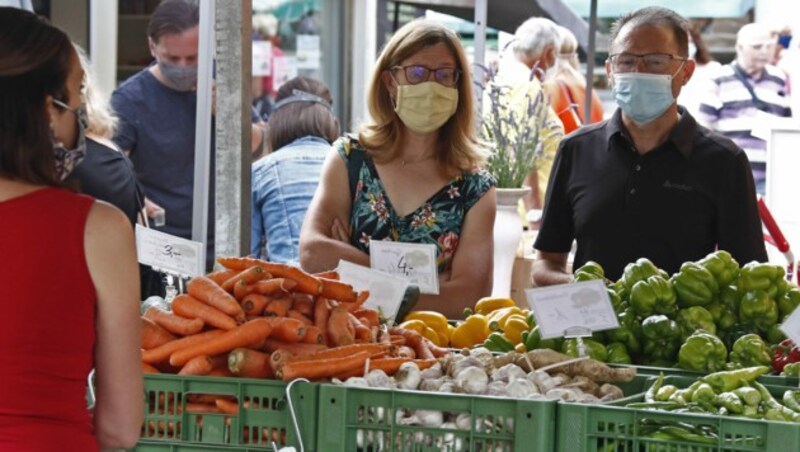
(426, 106)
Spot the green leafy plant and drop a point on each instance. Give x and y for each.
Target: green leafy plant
(515, 135)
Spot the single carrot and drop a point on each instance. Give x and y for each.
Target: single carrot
(332, 274)
(298, 348)
(439, 352)
(247, 363)
(240, 290)
(338, 290)
(199, 365)
(370, 317)
(340, 330)
(292, 314)
(219, 361)
(240, 336)
(306, 282)
(148, 369)
(363, 332)
(212, 294)
(278, 307)
(272, 286)
(361, 298)
(288, 330)
(254, 303)
(322, 312)
(191, 308)
(304, 304)
(227, 407)
(154, 335)
(173, 323)
(239, 263)
(221, 276)
(314, 335)
(317, 369)
(415, 341)
(347, 350)
(249, 276)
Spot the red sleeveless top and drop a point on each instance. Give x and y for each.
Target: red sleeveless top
(47, 324)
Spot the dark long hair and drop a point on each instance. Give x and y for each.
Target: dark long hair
(300, 119)
(35, 61)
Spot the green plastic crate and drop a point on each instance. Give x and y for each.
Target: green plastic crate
(605, 428)
(364, 419)
(145, 446)
(267, 418)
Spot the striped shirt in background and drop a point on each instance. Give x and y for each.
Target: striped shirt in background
(729, 107)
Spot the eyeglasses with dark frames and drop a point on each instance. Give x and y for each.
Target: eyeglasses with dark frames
(653, 62)
(416, 74)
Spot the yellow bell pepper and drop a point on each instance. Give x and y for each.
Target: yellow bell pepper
(433, 319)
(471, 331)
(488, 304)
(498, 318)
(420, 327)
(513, 328)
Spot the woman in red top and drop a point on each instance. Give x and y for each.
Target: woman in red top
(566, 89)
(68, 274)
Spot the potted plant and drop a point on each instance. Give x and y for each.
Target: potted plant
(515, 132)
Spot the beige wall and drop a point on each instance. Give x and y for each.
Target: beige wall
(72, 16)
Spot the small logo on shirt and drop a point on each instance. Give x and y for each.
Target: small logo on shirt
(674, 186)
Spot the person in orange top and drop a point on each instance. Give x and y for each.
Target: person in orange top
(566, 88)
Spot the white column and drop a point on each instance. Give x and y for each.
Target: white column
(103, 20)
(363, 48)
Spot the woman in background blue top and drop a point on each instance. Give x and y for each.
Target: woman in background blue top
(300, 132)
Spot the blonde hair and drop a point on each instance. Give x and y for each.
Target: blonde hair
(102, 119)
(383, 135)
(567, 65)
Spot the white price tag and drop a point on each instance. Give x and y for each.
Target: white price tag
(568, 307)
(791, 327)
(168, 253)
(385, 291)
(262, 59)
(416, 262)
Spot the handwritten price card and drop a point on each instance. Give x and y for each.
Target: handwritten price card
(569, 307)
(385, 291)
(169, 254)
(416, 262)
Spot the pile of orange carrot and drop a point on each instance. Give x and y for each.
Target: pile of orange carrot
(258, 319)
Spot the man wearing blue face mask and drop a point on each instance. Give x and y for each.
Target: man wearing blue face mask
(649, 182)
(157, 109)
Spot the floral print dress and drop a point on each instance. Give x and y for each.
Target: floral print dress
(437, 221)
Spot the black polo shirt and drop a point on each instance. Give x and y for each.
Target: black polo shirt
(676, 203)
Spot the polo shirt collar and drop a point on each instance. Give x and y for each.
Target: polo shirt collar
(681, 136)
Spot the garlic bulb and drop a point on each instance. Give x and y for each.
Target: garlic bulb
(472, 380)
(408, 376)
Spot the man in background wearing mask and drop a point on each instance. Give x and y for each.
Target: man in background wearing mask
(746, 95)
(157, 110)
(535, 50)
(649, 182)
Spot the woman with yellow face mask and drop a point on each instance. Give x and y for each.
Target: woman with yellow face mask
(412, 174)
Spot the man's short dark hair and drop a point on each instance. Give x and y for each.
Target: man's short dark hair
(173, 17)
(660, 17)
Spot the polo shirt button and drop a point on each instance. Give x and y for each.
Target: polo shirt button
(638, 167)
(633, 191)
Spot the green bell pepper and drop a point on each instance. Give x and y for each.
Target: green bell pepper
(694, 285)
(750, 350)
(724, 318)
(731, 379)
(653, 295)
(637, 271)
(628, 333)
(722, 265)
(496, 342)
(617, 353)
(589, 271)
(789, 301)
(758, 309)
(791, 370)
(660, 338)
(758, 276)
(594, 349)
(695, 318)
(702, 351)
(730, 296)
(617, 302)
(736, 332)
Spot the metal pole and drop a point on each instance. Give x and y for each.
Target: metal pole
(233, 127)
(478, 73)
(202, 134)
(590, 52)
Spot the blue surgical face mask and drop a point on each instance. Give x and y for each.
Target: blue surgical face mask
(643, 97)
